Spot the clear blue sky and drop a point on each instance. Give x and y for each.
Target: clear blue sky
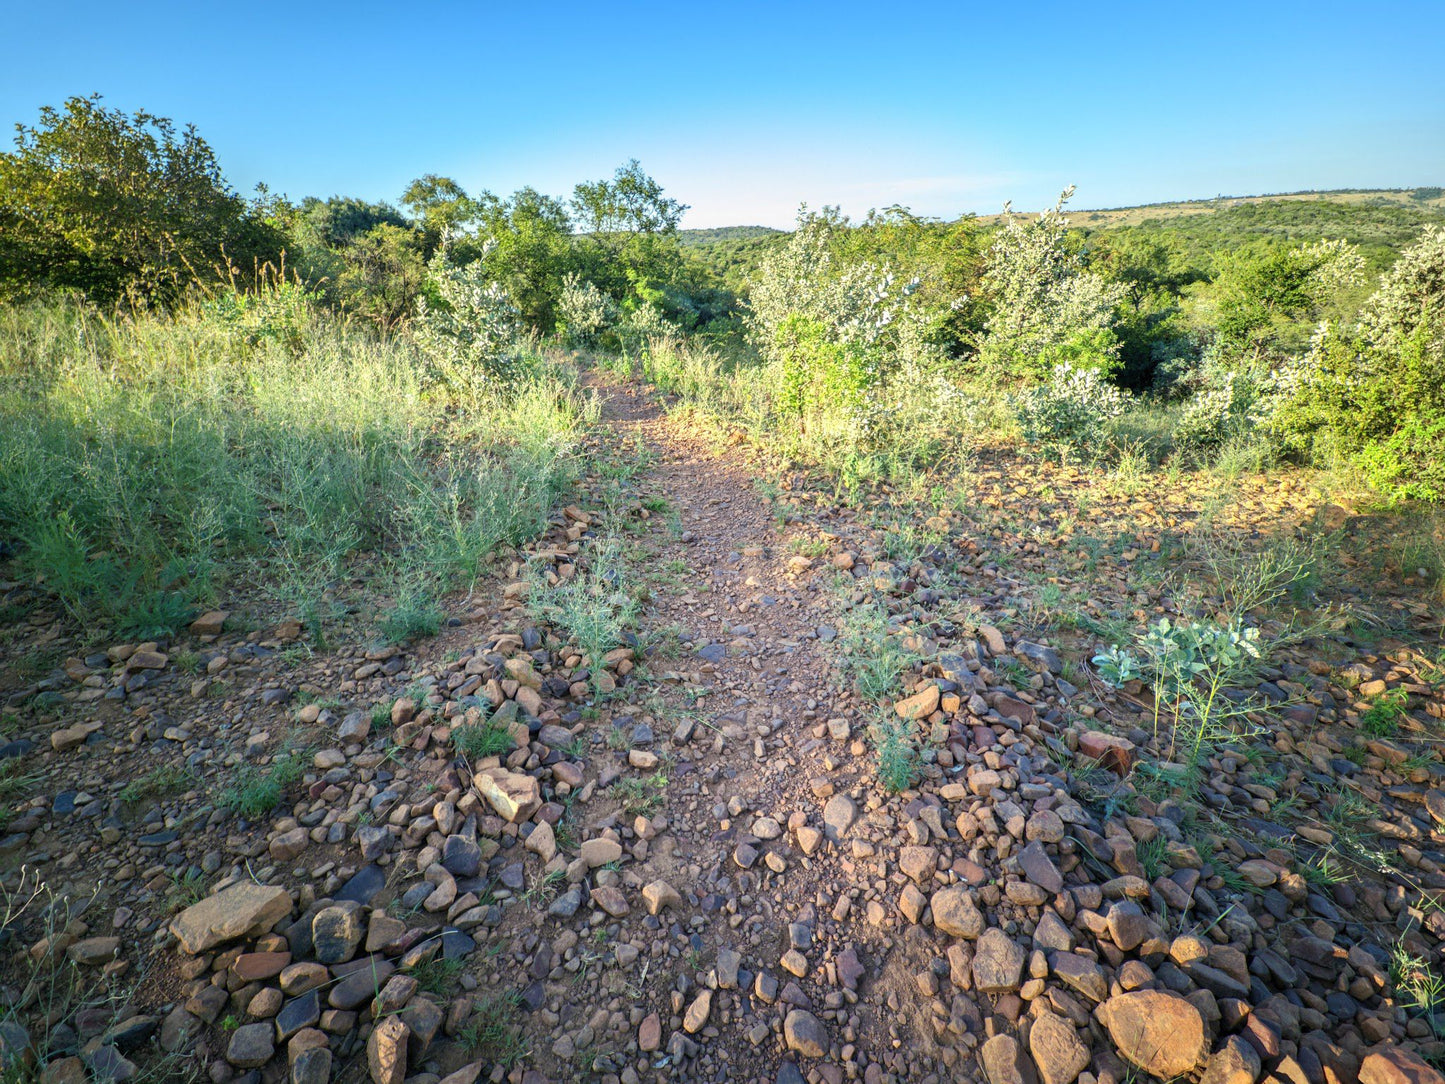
(745, 109)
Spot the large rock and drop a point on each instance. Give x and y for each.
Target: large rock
(1159, 1032)
(955, 913)
(251, 1046)
(239, 910)
(1392, 1065)
(386, 1051)
(1235, 1062)
(1003, 1061)
(1057, 1051)
(998, 963)
(1109, 750)
(805, 1034)
(514, 795)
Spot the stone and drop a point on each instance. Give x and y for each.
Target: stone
(918, 862)
(1393, 1065)
(920, 705)
(93, 951)
(1057, 1051)
(600, 851)
(336, 932)
(251, 1045)
(659, 895)
(998, 963)
(955, 913)
(543, 841)
(1003, 1061)
(839, 814)
(514, 795)
(386, 1051)
(234, 912)
(1039, 868)
(697, 1013)
(311, 1066)
(649, 1033)
(1114, 753)
(1160, 1032)
(1235, 1062)
(805, 1034)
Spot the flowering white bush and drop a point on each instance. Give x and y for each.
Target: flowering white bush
(855, 304)
(1070, 413)
(583, 310)
(1046, 306)
(469, 340)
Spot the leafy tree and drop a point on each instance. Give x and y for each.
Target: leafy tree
(442, 205)
(1047, 307)
(118, 204)
(381, 274)
(627, 232)
(1268, 295)
(531, 238)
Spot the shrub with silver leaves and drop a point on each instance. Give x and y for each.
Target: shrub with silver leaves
(468, 339)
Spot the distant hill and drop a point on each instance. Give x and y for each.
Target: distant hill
(723, 233)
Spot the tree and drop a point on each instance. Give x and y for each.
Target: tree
(628, 233)
(442, 205)
(120, 204)
(531, 253)
(1047, 307)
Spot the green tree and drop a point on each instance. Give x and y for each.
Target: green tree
(531, 238)
(118, 204)
(627, 232)
(442, 206)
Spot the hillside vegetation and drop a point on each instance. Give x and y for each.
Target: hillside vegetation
(513, 638)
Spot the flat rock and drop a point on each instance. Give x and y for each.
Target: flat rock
(235, 912)
(955, 913)
(1161, 1033)
(805, 1034)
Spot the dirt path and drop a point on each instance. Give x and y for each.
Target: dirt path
(780, 928)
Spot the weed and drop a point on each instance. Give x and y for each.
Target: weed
(1382, 718)
(437, 976)
(873, 654)
(255, 793)
(642, 795)
(476, 741)
(164, 780)
(897, 754)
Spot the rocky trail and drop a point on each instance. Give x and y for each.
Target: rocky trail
(679, 862)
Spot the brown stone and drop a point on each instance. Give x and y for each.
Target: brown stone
(1161, 1033)
(241, 909)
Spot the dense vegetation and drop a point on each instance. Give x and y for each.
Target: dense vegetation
(187, 376)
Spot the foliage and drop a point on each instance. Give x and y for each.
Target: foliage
(1047, 307)
(120, 205)
(594, 608)
(468, 333)
(478, 740)
(1375, 391)
(898, 759)
(147, 461)
(1071, 413)
(583, 311)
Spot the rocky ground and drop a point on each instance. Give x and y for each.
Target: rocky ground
(682, 863)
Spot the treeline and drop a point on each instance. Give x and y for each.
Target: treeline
(128, 208)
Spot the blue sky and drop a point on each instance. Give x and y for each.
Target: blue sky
(743, 110)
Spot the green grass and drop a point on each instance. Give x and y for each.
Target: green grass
(896, 753)
(478, 740)
(148, 461)
(492, 1033)
(255, 793)
(438, 976)
(1382, 718)
(162, 781)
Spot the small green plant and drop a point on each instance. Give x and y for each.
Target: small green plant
(897, 754)
(476, 741)
(164, 780)
(1419, 987)
(438, 976)
(414, 614)
(642, 795)
(492, 1032)
(255, 793)
(871, 651)
(594, 608)
(1382, 718)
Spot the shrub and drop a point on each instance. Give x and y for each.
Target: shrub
(469, 335)
(583, 311)
(1048, 309)
(1072, 412)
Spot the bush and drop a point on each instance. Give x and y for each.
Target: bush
(1074, 411)
(469, 335)
(583, 311)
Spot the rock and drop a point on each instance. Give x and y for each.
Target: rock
(839, 814)
(65, 1071)
(1235, 1062)
(998, 963)
(251, 1046)
(311, 1066)
(599, 852)
(336, 931)
(1161, 1033)
(918, 862)
(1058, 1053)
(920, 705)
(649, 1033)
(514, 795)
(697, 1013)
(235, 912)
(288, 845)
(543, 841)
(1003, 1061)
(210, 623)
(1114, 753)
(386, 1051)
(1039, 868)
(955, 913)
(612, 900)
(93, 951)
(805, 1034)
(1393, 1065)
(659, 895)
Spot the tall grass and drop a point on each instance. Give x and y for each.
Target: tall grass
(150, 463)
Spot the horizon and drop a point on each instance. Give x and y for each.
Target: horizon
(829, 116)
